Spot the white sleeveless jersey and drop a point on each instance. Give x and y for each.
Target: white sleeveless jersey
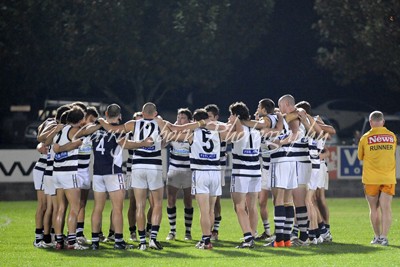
(147, 157)
(222, 155)
(205, 150)
(50, 162)
(41, 164)
(130, 155)
(245, 154)
(295, 151)
(84, 152)
(179, 156)
(315, 146)
(65, 163)
(266, 145)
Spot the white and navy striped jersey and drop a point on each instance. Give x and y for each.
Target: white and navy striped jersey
(223, 155)
(66, 162)
(84, 152)
(205, 150)
(147, 157)
(49, 162)
(265, 147)
(295, 151)
(315, 147)
(130, 155)
(42, 162)
(179, 156)
(107, 153)
(245, 154)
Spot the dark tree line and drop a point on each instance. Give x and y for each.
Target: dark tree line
(126, 50)
(360, 38)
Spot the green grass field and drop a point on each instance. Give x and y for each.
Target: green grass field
(350, 228)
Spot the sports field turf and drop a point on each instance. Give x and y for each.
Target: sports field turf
(350, 228)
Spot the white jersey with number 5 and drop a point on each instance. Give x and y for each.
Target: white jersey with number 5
(205, 150)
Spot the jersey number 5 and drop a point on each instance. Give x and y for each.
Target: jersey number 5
(206, 140)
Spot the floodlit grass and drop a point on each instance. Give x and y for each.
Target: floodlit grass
(349, 225)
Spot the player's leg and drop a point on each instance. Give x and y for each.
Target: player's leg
(149, 215)
(140, 197)
(117, 202)
(73, 197)
(41, 205)
(187, 201)
(59, 217)
(157, 196)
(385, 202)
(172, 193)
(80, 226)
(99, 203)
(132, 215)
(40, 211)
(372, 196)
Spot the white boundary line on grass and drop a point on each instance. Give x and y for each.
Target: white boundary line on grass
(6, 220)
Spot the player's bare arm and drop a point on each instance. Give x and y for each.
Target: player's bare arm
(130, 144)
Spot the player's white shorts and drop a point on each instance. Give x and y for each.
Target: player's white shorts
(84, 177)
(324, 176)
(314, 179)
(303, 172)
(108, 183)
(265, 179)
(128, 180)
(179, 179)
(66, 181)
(147, 179)
(206, 182)
(38, 179)
(222, 176)
(49, 188)
(241, 184)
(283, 175)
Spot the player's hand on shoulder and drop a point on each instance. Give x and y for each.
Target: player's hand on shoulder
(148, 142)
(102, 121)
(42, 148)
(59, 127)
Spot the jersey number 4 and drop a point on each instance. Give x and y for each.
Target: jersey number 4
(100, 146)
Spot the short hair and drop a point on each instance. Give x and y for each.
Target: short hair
(60, 112)
(81, 105)
(92, 111)
(113, 110)
(63, 117)
(268, 104)
(137, 114)
(289, 98)
(212, 108)
(75, 115)
(304, 105)
(149, 108)
(240, 109)
(376, 116)
(186, 112)
(200, 114)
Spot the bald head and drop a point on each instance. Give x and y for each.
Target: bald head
(286, 103)
(376, 119)
(149, 110)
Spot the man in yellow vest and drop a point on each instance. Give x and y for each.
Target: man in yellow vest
(377, 149)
